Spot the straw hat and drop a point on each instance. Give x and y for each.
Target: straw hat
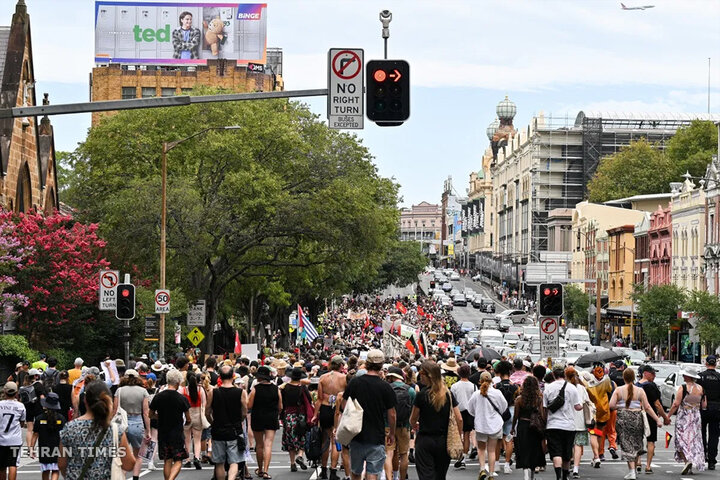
(451, 365)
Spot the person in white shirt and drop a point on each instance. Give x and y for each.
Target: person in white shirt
(12, 418)
(582, 438)
(487, 405)
(560, 431)
(463, 390)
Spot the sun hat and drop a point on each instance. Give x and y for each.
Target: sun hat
(33, 371)
(131, 372)
(263, 373)
(10, 388)
(296, 374)
(157, 366)
(689, 372)
(376, 357)
(119, 362)
(396, 372)
(451, 365)
(51, 401)
(280, 365)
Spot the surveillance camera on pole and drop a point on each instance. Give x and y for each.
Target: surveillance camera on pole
(386, 18)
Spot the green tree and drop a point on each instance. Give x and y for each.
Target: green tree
(282, 205)
(706, 308)
(691, 149)
(577, 303)
(636, 169)
(657, 307)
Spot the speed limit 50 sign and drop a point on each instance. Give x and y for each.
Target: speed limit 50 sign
(162, 301)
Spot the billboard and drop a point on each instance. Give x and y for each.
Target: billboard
(179, 33)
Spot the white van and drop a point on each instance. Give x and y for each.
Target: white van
(574, 335)
(491, 338)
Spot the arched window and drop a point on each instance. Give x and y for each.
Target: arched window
(23, 195)
(50, 206)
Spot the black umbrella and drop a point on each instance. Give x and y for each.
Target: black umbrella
(604, 357)
(487, 353)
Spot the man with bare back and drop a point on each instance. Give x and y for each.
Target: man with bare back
(330, 385)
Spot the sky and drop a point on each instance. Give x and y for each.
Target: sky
(557, 57)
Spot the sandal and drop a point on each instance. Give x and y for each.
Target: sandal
(258, 472)
(248, 476)
(266, 476)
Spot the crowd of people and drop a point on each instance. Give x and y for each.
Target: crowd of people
(435, 409)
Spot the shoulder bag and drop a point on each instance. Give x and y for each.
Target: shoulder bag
(558, 401)
(505, 415)
(116, 470)
(538, 421)
(350, 423)
(91, 458)
(120, 419)
(454, 439)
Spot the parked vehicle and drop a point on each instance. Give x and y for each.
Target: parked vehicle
(531, 332)
(517, 316)
(578, 345)
(446, 303)
(663, 371)
(460, 300)
(519, 329)
(491, 338)
(669, 387)
(489, 323)
(488, 306)
(477, 301)
(467, 326)
(573, 335)
(505, 325)
(472, 336)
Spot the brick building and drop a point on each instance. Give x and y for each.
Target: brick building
(119, 81)
(660, 239)
(28, 177)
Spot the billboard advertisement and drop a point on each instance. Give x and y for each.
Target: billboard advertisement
(179, 33)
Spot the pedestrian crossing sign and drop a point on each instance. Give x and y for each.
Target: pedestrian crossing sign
(195, 336)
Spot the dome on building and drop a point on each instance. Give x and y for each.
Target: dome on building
(506, 109)
(492, 128)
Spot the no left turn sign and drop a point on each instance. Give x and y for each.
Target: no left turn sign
(162, 301)
(108, 279)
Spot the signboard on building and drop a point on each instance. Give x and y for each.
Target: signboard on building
(177, 33)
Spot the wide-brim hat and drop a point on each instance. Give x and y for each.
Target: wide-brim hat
(51, 401)
(297, 374)
(263, 373)
(451, 365)
(157, 366)
(689, 372)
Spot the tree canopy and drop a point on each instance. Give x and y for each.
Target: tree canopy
(280, 206)
(658, 306)
(577, 303)
(641, 168)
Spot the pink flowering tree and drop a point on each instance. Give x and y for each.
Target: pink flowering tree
(58, 278)
(12, 255)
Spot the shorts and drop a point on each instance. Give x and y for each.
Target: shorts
(582, 439)
(367, 456)
(206, 434)
(326, 417)
(135, 431)
(226, 451)
(9, 456)
(175, 452)
(484, 437)
(402, 441)
(560, 443)
(468, 421)
(507, 426)
(653, 429)
(49, 467)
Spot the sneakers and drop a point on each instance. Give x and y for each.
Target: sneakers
(482, 475)
(630, 476)
(196, 462)
(333, 474)
(188, 464)
(293, 468)
(575, 475)
(473, 454)
(507, 469)
(595, 463)
(151, 466)
(602, 457)
(687, 469)
(459, 462)
(301, 463)
(614, 454)
(323, 474)
(411, 456)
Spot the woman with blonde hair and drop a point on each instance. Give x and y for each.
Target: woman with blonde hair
(432, 409)
(630, 401)
(487, 405)
(689, 400)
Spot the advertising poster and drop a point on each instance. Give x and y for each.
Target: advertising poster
(179, 33)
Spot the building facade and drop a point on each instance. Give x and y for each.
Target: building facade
(688, 235)
(422, 223)
(660, 240)
(621, 251)
(711, 252)
(28, 177)
(120, 81)
(642, 252)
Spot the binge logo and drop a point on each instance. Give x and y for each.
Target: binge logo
(250, 11)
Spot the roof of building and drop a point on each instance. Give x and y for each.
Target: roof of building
(4, 37)
(637, 198)
(644, 120)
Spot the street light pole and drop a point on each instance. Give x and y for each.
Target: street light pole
(166, 147)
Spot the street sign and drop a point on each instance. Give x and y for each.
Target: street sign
(162, 301)
(345, 88)
(108, 281)
(549, 337)
(152, 328)
(195, 336)
(196, 315)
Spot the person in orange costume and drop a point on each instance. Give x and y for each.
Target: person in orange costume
(600, 389)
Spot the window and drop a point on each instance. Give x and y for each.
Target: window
(168, 92)
(129, 92)
(149, 92)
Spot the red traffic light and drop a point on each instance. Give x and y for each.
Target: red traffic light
(125, 292)
(379, 75)
(546, 292)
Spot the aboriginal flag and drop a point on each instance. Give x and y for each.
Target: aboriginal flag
(667, 439)
(423, 346)
(411, 345)
(400, 307)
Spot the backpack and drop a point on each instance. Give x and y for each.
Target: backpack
(314, 444)
(404, 405)
(558, 401)
(50, 379)
(27, 394)
(508, 390)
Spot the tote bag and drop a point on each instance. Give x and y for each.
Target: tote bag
(350, 422)
(116, 471)
(454, 440)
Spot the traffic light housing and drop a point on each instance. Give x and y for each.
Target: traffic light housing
(551, 299)
(387, 95)
(125, 308)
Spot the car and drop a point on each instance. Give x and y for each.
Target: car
(477, 278)
(468, 291)
(472, 336)
(505, 325)
(511, 339)
(578, 345)
(467, 326)
(636, 356)
(571, 356)
(573, 335)
(516, 329)
(477, 301)
(669, 387)
(460, 300)
(491, 338)
(455, 276)
(446, 303)
(517, 316)
(531, 332)
(470, 296)
(489, 308)
(489, 323)
(447, 286)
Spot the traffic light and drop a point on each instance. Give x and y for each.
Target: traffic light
(551, 299)
(125, 309)
(387, 98)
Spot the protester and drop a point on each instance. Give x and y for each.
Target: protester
(171, 408)
(652, 392)
(487, 405)
(463, 390)
(64, 392)
(195, 395)
(509, 391)
(266, 404)
(687, 404)
(294, 396)
(331, 383)
(132, 397)
(85, 436)
(710, 382)
(396, 453)
(432, 408)
(226, 409)
(630, 401)
(529, 450)
(599, 389)
(46, 435)
(13, 411)
(581, 434)
(560, 432)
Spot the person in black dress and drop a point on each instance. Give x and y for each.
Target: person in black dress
(266, 404)
(529, 449)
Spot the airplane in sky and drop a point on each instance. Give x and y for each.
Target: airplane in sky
(644, 7)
